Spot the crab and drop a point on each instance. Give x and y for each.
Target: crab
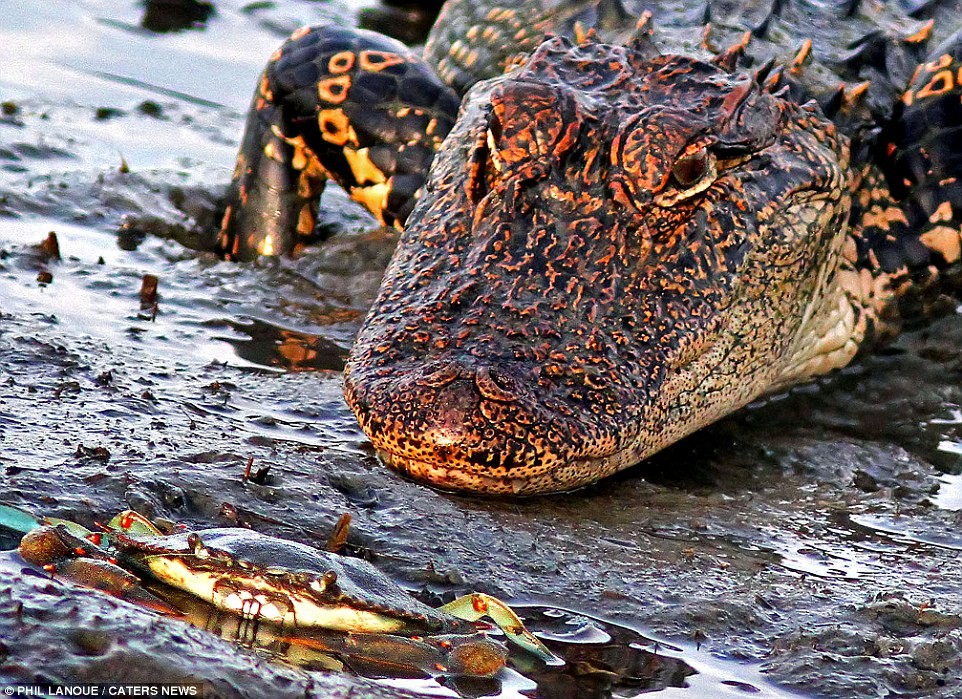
(288, 585)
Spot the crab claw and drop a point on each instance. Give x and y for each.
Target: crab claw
(130, 522)
(58, 550)
(17, 520)
(476, 605)
(114, 580)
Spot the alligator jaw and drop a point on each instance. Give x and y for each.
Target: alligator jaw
(565, 478)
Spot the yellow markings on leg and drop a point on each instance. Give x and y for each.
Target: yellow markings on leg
(941, 214)
(240, 166)
(305, 221)
(373, 198)
(270, 150)
(300, 33)
(374, 61)
(311, 182)
(341, 62)
(922, 35)
(942, 62)
(264, 88)
(334, 90)
(945, 241)
(363, 169)
(941, 82)
(266, 246)
(878, 217)
(802, 57)
(336, 127)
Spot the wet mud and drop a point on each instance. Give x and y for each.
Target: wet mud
(809, 545)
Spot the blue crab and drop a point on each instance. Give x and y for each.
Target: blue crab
(266, 579)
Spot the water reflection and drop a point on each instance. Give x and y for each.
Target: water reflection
(270, 345)
(949, 496)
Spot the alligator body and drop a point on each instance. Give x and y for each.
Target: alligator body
(627, 232)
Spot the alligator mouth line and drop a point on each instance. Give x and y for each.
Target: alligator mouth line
(572, 475)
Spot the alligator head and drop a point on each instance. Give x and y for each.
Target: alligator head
(613, 250)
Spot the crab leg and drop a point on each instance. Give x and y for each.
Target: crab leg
(61, 552)
(22, 521)
(17, 520)
(477, 605)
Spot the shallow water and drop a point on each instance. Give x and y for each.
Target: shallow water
(808, 544)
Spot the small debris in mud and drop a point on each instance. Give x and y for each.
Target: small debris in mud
(50, 248)
(45, 277)
(261, 475)
(124, 168)
(95, 453)
(9, 108)
(252, 7)
(338, 538)
(66, 387)
(164, 16)
(151, 109)
(91, 641)
(229, 512)
(130, 235)
(148, 291)
(148, 296)
(105, 113)
(104, 378)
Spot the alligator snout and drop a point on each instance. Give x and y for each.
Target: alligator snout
(463, 426)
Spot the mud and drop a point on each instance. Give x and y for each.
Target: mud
(809, 544)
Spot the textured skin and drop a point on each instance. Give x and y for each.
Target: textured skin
(621, 242)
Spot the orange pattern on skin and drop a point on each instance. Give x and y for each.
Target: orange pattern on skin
(538, 231)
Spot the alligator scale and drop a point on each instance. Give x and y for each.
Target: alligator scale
(622, 219)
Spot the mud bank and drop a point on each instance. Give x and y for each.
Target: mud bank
(809, 544)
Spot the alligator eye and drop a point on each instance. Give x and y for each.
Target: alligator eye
(691, 174)
(691, 168)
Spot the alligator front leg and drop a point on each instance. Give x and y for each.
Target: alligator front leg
(347, 105)
(907, 249)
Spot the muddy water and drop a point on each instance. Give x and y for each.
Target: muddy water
(811, 544)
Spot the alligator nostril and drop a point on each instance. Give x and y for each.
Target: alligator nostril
(441, 376)
(495, 385)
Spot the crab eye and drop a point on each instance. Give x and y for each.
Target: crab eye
(691, 168)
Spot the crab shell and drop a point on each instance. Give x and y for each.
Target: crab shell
(283, 582)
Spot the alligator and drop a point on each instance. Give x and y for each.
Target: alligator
(622, 219)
